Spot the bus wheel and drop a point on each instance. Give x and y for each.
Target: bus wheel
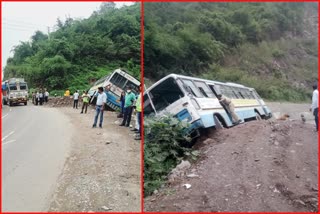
(258, 117)
(218, 123)
(10, 103)
(25, 103)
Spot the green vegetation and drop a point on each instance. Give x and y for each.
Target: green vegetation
(80, 50)
(164, 147)
(269, 46)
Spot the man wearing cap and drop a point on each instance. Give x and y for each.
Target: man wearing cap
(225, 101)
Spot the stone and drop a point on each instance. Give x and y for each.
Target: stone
(192, 175)
(106, 208)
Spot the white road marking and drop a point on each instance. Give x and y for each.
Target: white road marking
(5, 116)
(5, 137)
(10, 141)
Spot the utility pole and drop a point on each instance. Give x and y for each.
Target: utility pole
(48, 33)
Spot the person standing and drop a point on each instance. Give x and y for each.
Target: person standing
(37, 98)
(41, 97)
(101, 101)
(121, 100)
(139, 115)
(75, 99)
(85, 100)
(46, 96)
(129, 100)
(315, 105)
(33, 98)
(226, 102)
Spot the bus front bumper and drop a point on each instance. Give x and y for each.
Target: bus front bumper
(18, 100)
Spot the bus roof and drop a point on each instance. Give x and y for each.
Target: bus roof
(176, 76)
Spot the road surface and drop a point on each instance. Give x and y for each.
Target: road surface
(35, 144)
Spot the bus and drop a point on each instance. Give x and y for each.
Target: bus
(15, 91)
(119, 79)
(195, 101)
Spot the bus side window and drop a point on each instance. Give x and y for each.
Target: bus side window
(190, 87)
(203, 92)
(241, 95)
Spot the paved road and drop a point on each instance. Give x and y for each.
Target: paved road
(35, 143)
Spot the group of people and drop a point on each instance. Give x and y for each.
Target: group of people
(41, 97)
(129, 103)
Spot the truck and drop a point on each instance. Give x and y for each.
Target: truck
(15, 91)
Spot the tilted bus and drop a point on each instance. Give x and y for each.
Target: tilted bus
(119, 80)
(195, 100)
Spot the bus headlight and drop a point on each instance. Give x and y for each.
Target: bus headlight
(195, 104)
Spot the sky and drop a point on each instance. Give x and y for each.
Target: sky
(21, 19)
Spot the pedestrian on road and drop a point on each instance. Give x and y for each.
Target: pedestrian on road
(139, 115)
(227, 103)
(315, 105)
(128, 106)
(121, 100)
(101, 101)
(37, 98)
(46, 96)
(33, 98)
(41, 97)
(85, 100)
(75, 99)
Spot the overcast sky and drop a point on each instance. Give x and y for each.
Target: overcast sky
(21, 19)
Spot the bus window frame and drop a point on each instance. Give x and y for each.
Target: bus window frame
(208, 93)
(194, 92)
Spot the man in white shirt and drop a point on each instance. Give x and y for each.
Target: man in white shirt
(101, 101)
(315, 105)
(75, 99)
(46, 95)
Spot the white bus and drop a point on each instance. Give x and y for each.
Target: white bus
(194, 100)
(119, 80)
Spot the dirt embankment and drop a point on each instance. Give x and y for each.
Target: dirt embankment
(102, 172)
(257, 166)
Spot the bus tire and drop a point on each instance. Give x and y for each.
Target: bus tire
(10, 103)
(25, 103)
(219, 124)
(258, 116)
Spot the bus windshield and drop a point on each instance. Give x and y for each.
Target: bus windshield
(13, 87)
(166, 93)
(23, 86)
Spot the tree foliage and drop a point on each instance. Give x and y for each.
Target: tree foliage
(194, 38)
(80, 50)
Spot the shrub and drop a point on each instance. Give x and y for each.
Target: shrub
(163, 149)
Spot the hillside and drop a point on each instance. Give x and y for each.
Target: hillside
(272, 47)
(80, 51)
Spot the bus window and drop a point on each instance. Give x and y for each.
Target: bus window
(204, 89)
(241, 96)
(118, 80)
(227, 91)
(147, 106)
(13, 87)
(191, 87)
(166, 93)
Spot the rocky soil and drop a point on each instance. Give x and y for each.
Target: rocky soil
(254, 167)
